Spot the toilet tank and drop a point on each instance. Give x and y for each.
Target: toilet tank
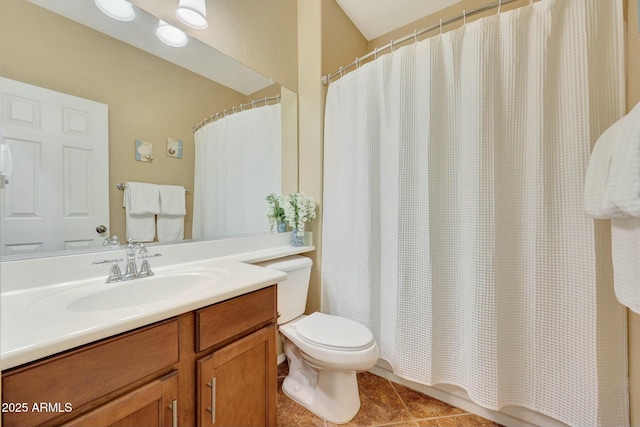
(292, 292)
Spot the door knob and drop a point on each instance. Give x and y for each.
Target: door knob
(101, 229)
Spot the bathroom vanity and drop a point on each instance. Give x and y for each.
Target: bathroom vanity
(194, 345)
(211, 366)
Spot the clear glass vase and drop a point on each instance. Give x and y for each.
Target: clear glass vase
(297, 237)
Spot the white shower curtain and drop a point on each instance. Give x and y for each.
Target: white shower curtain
(453, 221)
(237, 164)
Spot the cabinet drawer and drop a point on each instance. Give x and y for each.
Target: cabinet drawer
(81, 376)
(224, 320)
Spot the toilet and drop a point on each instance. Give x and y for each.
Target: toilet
(324, 351)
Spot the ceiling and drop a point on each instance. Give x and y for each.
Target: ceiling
(375, 18)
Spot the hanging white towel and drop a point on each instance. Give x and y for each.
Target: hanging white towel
(141, 203)
(141, 198)
(625, 249)
(596, 202)
(623, 183)
(172, 212)
(612, 190)
(612, 181)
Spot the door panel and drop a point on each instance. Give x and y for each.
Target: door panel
(58, 192)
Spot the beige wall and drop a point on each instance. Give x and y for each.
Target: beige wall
(149, 99)
(258, 33)
(326, 39)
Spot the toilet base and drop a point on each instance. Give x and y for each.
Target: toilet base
(330, 394)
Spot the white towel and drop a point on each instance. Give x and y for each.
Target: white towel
(612, 181)
(172, 200)
(625, 249)
(172, 212)
(612, 190)
(623, 183)
(141, 198)
(596, 202)
(142, 203)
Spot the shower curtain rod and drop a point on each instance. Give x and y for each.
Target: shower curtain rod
(326, 79)
(241, 107)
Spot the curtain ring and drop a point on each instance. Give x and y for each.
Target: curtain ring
(375, 53)
(357, 62)
(391, 43)
(440, 26)
(265, 100)
(499, 6)
(415, 36)
(253, 104)
(341, 73)
(464, 17)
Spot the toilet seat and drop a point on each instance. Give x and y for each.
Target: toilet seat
(333, 332)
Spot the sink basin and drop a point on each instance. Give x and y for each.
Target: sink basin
(148, 290)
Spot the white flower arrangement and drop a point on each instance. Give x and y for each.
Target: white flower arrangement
(298, 210)
(275, 213)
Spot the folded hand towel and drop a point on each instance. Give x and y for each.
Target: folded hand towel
(142, 203)
(141, 198)
(140, 228)
(173, 210)
(172, 200)
(170, 228)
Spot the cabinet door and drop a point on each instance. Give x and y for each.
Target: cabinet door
(237, 384)
(152, 405)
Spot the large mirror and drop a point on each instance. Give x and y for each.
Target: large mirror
(154, 93)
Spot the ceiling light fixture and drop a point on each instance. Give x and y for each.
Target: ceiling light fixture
(170, 35)
(122, 10)
(193, 13)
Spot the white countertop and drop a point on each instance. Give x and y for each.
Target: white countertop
(37, 322)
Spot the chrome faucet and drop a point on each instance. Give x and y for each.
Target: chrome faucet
(132, 268)
(131, 272)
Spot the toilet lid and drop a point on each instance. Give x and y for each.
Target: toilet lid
(333, 332)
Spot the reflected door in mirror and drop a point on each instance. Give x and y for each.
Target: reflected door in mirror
(58, 192)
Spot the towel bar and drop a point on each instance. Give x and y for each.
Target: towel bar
(121, 186)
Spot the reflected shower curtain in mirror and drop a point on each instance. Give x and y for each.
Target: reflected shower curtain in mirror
(453, 223)
(237, 164)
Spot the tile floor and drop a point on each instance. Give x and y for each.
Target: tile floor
(383, 403)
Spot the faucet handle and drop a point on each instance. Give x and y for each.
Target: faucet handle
(144, 253)
(115, 274)
(107, 261)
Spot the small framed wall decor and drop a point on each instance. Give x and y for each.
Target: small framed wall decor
(144, 151)
(174, 148)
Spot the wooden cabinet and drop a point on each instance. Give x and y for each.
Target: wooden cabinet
(153, 405)
(57, 387)
(158, 375)
(237, 384)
